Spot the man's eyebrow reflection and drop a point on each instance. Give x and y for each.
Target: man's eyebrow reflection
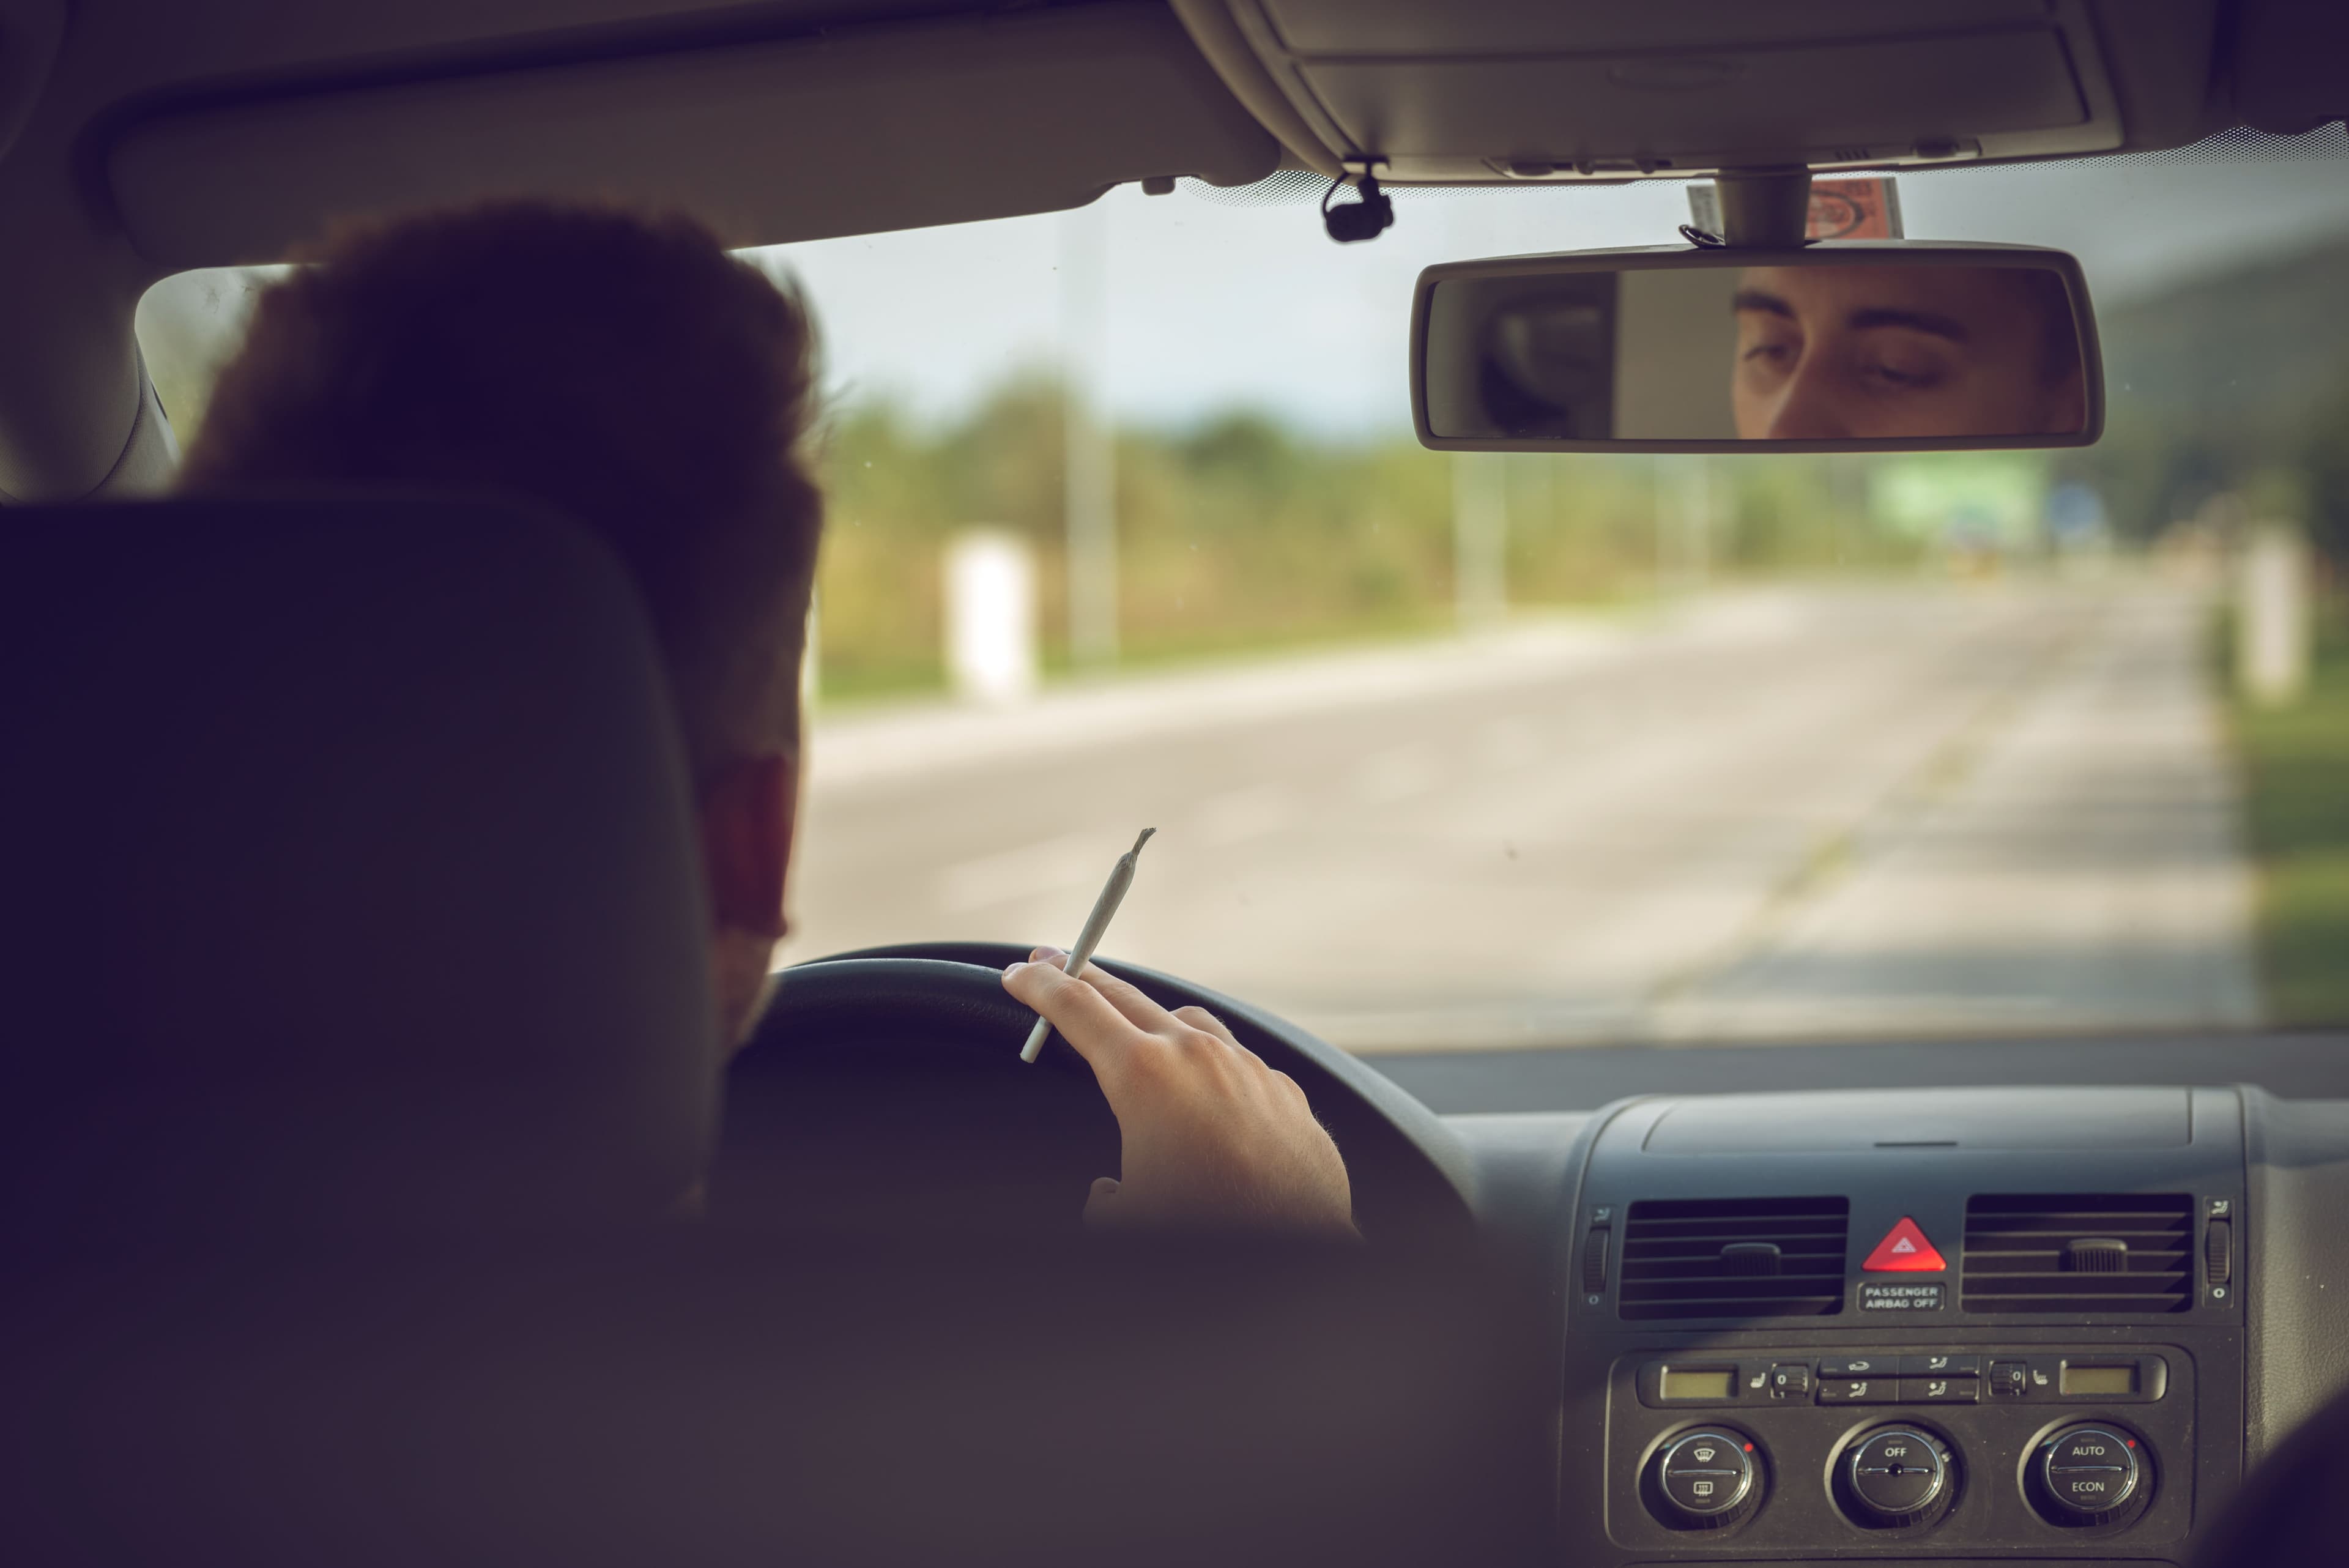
(1756, 299)
(1923, 321)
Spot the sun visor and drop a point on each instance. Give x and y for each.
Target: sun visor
(805, 138)
(1492, 90)
(2291, 64)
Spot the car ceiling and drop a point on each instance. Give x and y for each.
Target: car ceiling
(142, 137)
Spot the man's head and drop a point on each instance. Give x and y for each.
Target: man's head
(1862, 353)
(622, 370)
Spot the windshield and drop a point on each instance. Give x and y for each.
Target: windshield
(1128, 530)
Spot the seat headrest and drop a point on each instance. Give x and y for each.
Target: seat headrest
(349, 872)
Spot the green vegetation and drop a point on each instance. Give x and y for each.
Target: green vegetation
(1241, 534)
(2237, 383)
(2296, 770)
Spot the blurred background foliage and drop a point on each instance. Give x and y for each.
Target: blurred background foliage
(2235, 383)
(1244, 533)
(1241, 532)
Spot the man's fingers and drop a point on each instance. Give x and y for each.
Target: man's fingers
(1128, 999)
(1101, 1203)
(1201, 1019)
(1137, 1007)
(1080, 1012)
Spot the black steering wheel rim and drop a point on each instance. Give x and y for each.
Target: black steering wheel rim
(945, 996)
(889, 1080)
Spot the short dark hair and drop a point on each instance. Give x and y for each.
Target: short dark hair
(619, 366)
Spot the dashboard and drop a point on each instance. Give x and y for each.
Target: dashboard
(2013, 1319)
(1958, 1325)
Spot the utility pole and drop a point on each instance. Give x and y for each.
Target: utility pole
(1480, 539)
(1090, 467)
(1660, 470)
(1698, 516)
(1685, 562)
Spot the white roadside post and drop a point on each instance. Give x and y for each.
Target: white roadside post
(1480, 539)
(991, 616)
(1680, 494)
(1696, 518)
(2271, 620)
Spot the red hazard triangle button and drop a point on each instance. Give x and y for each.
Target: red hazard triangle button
(1904, 1249)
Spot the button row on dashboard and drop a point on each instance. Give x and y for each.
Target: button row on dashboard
(1929, 1365)
(1934, 1378)
(1908, 1378)
(1899, 1390)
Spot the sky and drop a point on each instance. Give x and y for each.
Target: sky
(1208, 306)
(1211, 305)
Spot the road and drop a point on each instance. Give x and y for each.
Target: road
(1942, 809)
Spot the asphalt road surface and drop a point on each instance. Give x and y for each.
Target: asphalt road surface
(1926, 811)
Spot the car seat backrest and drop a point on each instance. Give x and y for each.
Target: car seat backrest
(348, 873)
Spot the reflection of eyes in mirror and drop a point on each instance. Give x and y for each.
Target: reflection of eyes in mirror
(1822, 351)
(1863, 353)
(1887, 363)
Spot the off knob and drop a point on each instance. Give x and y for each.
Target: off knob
(1896, 1479)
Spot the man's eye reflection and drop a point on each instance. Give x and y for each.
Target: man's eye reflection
(1829, 353)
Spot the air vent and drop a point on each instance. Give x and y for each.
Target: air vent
(1735, 1257)
(2123, 1255)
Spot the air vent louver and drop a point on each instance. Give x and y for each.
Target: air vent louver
(2123, 1253)
(1705, 1257)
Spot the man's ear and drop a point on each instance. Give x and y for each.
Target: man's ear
(747, 811)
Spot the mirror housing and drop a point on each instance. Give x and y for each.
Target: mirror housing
(1853, 345)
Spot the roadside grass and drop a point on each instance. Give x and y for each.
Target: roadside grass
(2295, 764)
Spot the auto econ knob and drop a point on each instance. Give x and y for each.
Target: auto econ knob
(1706, 1480)
(1894, 1479)
(2087, 1475)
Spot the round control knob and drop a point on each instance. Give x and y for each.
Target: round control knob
(1705, 1480)
(2087, 1475)
(1896, 1477)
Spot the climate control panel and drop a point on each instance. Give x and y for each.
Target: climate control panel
(1962, 1452)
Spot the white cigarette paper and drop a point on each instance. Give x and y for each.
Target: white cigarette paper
(1112, 894)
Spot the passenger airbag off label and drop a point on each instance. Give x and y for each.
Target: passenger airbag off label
(1876, 1296)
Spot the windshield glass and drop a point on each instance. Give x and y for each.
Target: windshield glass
(1128, 530)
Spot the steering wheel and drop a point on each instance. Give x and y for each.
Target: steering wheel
(882, 1091)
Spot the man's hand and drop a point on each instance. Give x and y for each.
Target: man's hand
(1212, 1138)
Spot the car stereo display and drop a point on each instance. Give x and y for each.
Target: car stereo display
(1699, 1383)
(2075, 1379)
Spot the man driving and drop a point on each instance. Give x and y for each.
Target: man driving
(625, 370)
(1881, 353)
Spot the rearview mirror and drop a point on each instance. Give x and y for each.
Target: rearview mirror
(1859, 347)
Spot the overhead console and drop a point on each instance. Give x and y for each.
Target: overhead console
(1486, 89)
(1963, 1324)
